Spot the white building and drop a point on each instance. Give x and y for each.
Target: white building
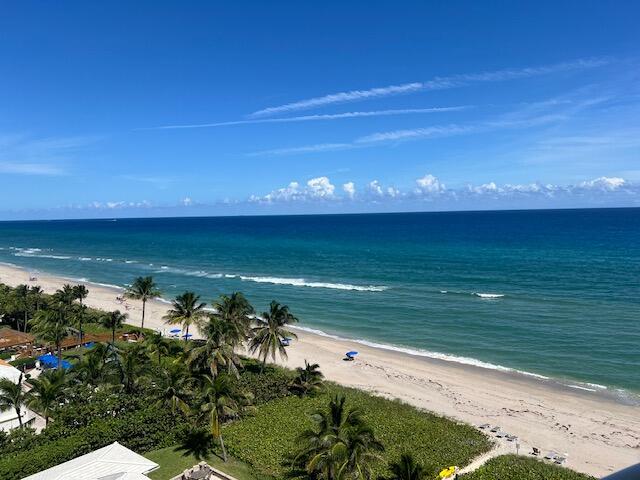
(9, 418)
(113, 462)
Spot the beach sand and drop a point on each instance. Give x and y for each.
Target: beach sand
(596, 434)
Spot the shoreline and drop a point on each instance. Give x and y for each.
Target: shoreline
(599, 433)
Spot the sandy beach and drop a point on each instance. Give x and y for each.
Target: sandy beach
(597, 435)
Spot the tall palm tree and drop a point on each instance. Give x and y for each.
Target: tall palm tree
(269, 333)
(97, 366)
(341, 446)
(66, 294)
(113, 321)
(186, 310)
(52, 325)
(407, 469)
(37, 294)
(308, 379)
(143, 288)
(47, 392)
(12, 397)
(221, 402)
(21, 294)
(217, 352)
(173, 387)
(157, 344)
(238, 312)
(80, 292)
(133, 364)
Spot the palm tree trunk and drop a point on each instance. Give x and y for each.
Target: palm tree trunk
(224, 450)
(25, 321)
(264, 362)
(59, 355)
(186, 333)
(113, 336)
(19, 416)
(144, 304)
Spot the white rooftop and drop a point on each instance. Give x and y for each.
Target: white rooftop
(9, 371)
(113, 462)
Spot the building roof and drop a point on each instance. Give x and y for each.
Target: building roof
(111, 462)
(9, 371)
(12, 338)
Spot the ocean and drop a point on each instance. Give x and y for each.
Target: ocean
(552, 294)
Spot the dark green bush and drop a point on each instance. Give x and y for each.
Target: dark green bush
(22, 363)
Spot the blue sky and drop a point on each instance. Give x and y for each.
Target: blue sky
(198, 108)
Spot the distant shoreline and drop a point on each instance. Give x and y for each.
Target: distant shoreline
(599, 434)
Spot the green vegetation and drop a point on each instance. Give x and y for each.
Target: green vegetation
(271, 436)
(522, 468)
(172, 463)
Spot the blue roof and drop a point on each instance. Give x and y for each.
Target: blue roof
(50, 360)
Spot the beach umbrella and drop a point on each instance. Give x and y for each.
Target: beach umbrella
(351, 354)
(175, 330)
(187, 335)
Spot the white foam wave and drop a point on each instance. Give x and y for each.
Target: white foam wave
(489, 295)
(301, 282)
(426, 353)
(40, 255)
(85, 259)
(130, 261)
(189, 273)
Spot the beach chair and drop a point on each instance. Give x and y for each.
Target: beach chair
(484, 426)
(501, 434)
(560, 460)
(535, 451)
(550, 456)
(495, 429)
(511, 438)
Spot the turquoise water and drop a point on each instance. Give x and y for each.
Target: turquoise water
(569, 280)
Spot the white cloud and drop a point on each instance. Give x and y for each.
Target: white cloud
(117, 205)
(186, 201)
(604, 183)
(349, 189)
(30, 168)
(320, 187)
(438, 83)
(429, 185)
(319, 117)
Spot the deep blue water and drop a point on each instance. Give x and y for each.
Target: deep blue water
(570, 279)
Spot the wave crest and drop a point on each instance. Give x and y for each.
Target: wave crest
(301, 282)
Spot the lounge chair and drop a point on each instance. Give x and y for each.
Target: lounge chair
(550, 456)
(495, 429)
(501, 434)
(511, 438)
(484, 426)
(560, 460)
(535, 451)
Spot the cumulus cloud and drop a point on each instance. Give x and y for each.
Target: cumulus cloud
(349, 189)
(429, 185)
(116, 205)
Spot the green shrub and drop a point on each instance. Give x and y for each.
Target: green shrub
(22, 363)
(267, 439)
(5, 355)
(273, 383)
(514, 467)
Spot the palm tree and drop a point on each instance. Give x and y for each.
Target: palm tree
(157, 344)
(217, 351)
(221, 402)
(308, 379)
(21, 304)
(186, 310)
(66, 294)
(407, 469)
(12, 396)
(341, 446)
(236, 310)
(113, 321)
(52, 326)
(269, 332)
(97, 366)
(173, 385)
(143, 288)
(47, 392)
(37, 294)
(133, 364)
(80, 292)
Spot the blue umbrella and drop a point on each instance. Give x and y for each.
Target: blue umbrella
(351, 354)
(175, 330)
(187, 335)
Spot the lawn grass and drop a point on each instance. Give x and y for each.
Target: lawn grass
(514, 467)
(268, 438)
(173, 463)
